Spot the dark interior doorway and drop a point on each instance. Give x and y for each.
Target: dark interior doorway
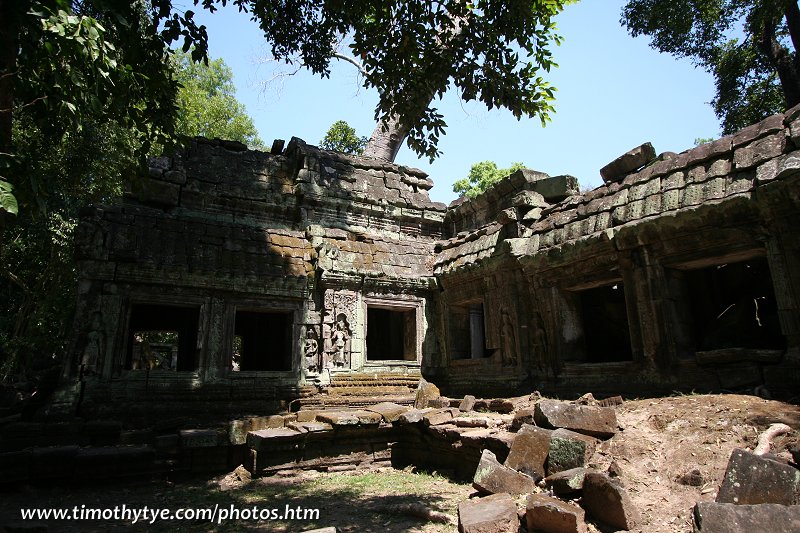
(163, 337)
(391, 334)
(606, 331)
(262, 341)
(733, 306)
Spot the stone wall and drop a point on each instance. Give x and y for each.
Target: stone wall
(681, 272)
(654, 234)
(299, 245)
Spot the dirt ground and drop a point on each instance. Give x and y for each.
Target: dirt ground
(662, 439)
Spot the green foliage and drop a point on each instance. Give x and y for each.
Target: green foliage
(8, 202)
(207, 104)
(37, 266)
(412, 51)
(341, 137)
(702, 140)
(481, 176)
(747, 45)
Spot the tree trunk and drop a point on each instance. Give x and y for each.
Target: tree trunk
(781, 58)
(386, 140)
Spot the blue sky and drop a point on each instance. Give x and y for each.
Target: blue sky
(614, 93)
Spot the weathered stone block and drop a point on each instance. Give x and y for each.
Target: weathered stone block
(752, 479)
(492, 478)
(492, 514)
(566, 482)
(608, 502)
(267, 437)
(569, 450)
(425, 393)
(759, 151)
(438, 416)
(157, 192)
(467, 404)
(587, 419)
(201, 438)
(543, 513)
(529, 451)
(412, 416)
(388, 410)
(628, 162)
(350, 417)
(710, 517)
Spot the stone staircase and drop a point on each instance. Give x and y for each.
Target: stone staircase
(366, 388)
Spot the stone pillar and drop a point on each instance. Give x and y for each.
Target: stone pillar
(649, 314)
(783, 256)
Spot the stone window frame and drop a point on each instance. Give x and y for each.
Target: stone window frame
(468, 302)
(202, 304)
(395, 303)
(294, 309)
(689, 263)
(570, 296)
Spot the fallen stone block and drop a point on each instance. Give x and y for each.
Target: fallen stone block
(477, 422)
(309, 427)
(752, 479)
(493, 478)
(628, 162)
(569, 450)
(425, 393)
(522, 417)
(551, 515)
(321, 530)
(712, 517)
(566, 483)
(439, 416)
(467, 404)
(590, 420)
(529, 451)
(493, 514)
(350, 417)
(307, 415)
(605, 500)
(412, 416)
(439, 403)
(388, 410)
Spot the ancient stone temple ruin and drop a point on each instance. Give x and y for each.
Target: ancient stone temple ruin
(235, 280)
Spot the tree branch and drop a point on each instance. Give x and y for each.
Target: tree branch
(353, 61)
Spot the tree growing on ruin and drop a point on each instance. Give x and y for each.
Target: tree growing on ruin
(342, 137)
(412, 51)
(481, 176)
(207, 104)
(749, 46)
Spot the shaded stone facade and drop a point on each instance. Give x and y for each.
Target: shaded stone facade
(236, 280)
